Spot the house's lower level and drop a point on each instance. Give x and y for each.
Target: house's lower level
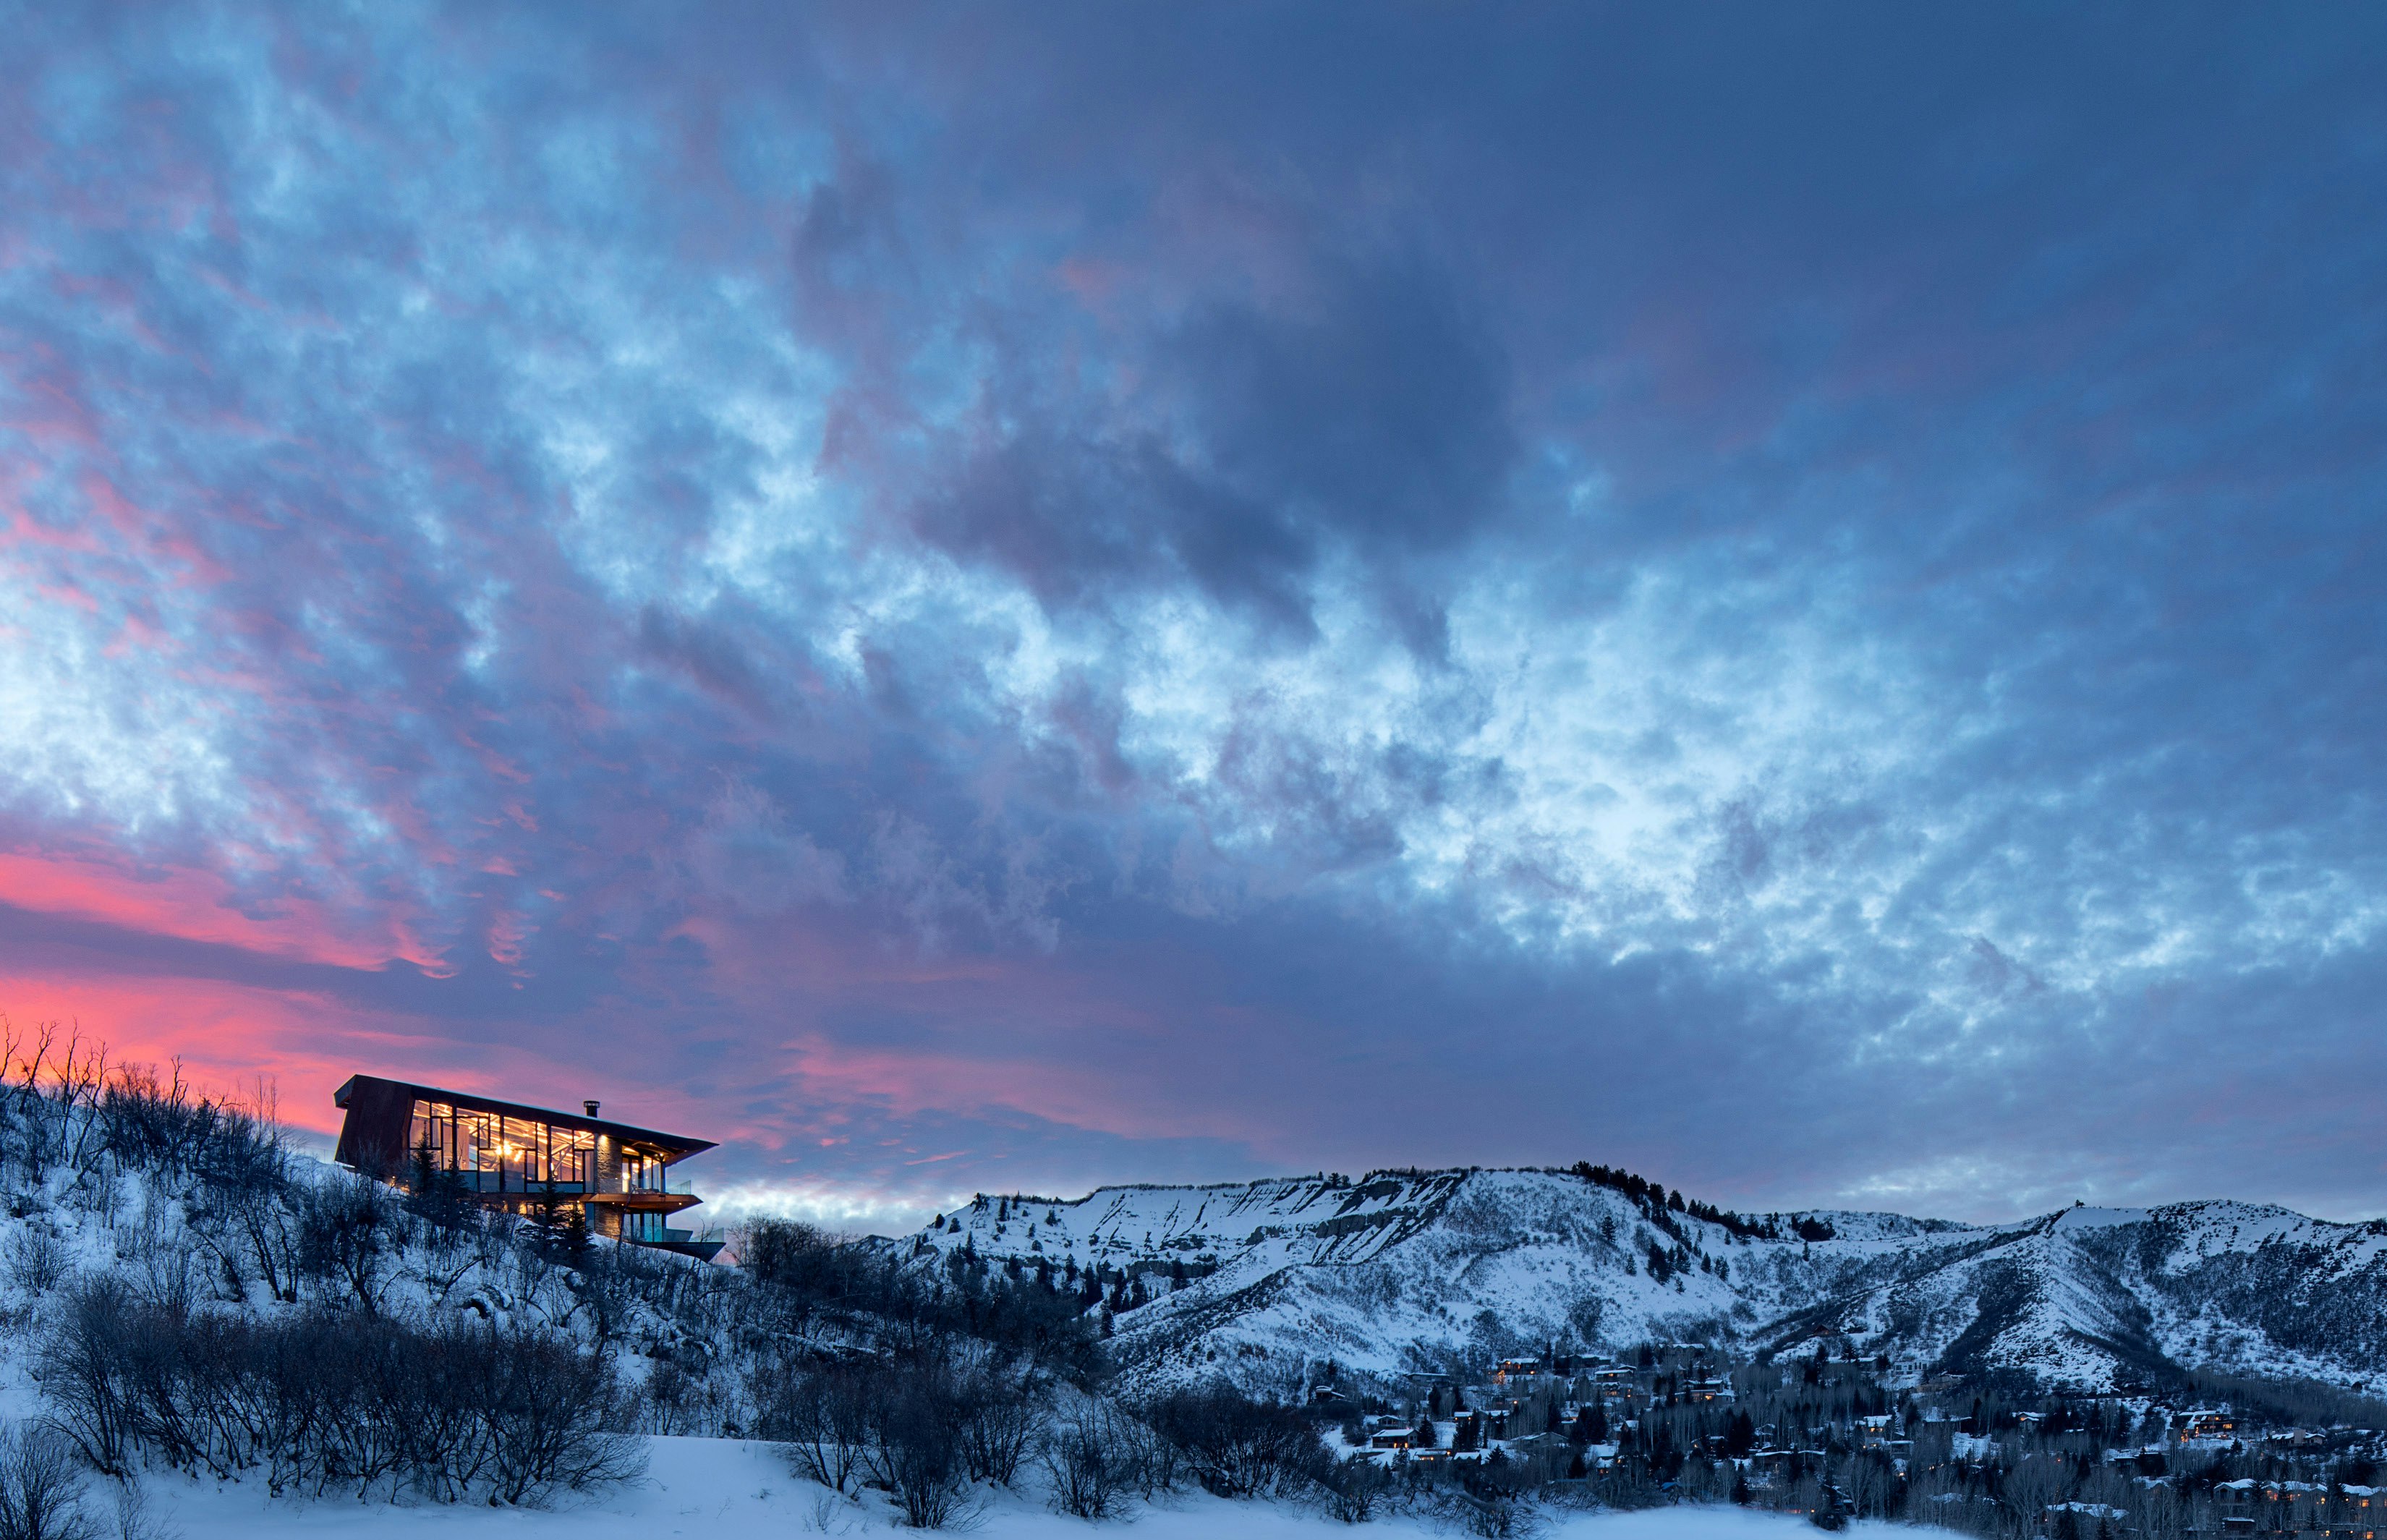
(521, 1159)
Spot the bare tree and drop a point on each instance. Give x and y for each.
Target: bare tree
(823, 1419)
(917, 1447)
(37, 1259)
(2033, 1483)
(343, 1226)
(1088, 1461)
(41, 1490)
(997, 1423)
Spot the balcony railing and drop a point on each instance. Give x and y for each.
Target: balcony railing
(512, 1181)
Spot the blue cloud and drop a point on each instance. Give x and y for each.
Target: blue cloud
(1788, 599)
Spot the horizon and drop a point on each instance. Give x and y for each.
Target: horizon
(1047, 598)
(735, 1203)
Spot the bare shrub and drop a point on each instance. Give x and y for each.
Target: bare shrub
(1239, 1447)
(319, 1401)
(1496, 1516)
(266, 1225)
(666, 1401)
(1088, 1462)
(996, 1424)
(37, 1259)
(907, 1426)
(40, 1489)
(810, 1268)
(165, 1270)
(133, 1519)
(823, 1419)
(546, 1412)
(917, 1450)
(86, 1374)
(344, 1236)
(1350, 1490)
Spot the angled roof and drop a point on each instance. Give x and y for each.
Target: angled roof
(378, 1092)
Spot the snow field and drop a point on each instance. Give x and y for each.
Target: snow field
(734, 1489)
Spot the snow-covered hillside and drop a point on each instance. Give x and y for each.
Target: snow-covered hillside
(1268, 1280)
(729, 1489)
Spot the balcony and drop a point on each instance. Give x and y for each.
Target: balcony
(513, 1183)
(645, 1201)
(657, 1183)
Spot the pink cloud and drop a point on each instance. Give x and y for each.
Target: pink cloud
(229, 1037)
(200, 906)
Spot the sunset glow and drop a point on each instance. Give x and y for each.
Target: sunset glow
(1109, 597)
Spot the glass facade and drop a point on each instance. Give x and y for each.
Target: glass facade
(502, 1154)
(641, 1173)
(521, 1159)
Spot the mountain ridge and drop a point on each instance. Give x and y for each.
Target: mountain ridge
(1265, 1281)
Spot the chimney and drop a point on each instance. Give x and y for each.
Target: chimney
(591, 1106)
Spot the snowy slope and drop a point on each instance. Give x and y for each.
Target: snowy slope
(1413, 1269)
(724, 1489)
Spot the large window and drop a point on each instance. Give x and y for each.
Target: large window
(641, 1172)
(499, 1153)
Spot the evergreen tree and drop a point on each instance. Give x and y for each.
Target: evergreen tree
(546, 1217)
(434, 1192)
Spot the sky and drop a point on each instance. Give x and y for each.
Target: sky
(1008, 597)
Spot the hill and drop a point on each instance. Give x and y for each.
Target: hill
(1268, 1280)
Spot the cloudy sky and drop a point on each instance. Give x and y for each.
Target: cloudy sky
(1788, 598)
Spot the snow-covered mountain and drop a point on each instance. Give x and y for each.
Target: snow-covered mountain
(1412, 1269)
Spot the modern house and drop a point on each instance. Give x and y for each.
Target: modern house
(520, 1159)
